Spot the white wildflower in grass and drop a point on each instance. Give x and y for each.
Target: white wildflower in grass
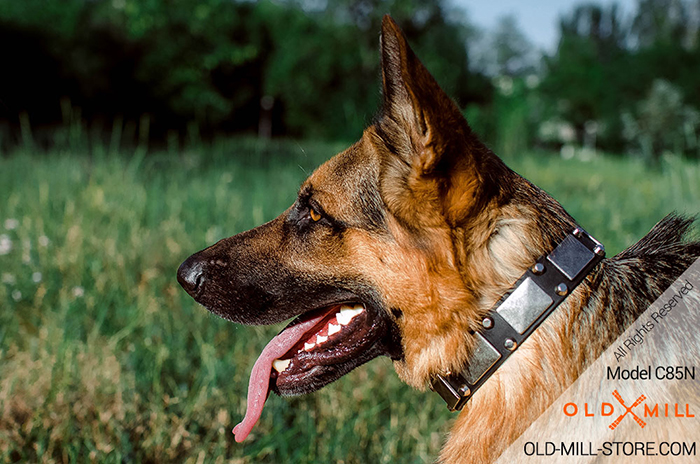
(78, 291)
(43, 241)
(8, 278)
(36, 277)
(5, 244)
(11, 224)
(16, 295)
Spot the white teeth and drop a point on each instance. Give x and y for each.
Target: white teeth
(281, 364)
(333, 329)
(347, 313)
(343, 318)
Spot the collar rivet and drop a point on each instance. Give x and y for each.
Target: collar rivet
(510, 344)
(561, 289)
(487, 323)
(538, 269)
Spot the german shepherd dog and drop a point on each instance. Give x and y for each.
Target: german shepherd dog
(399, 246)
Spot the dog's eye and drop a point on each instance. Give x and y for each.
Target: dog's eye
(315, 215)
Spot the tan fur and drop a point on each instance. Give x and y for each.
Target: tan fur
(440, 229)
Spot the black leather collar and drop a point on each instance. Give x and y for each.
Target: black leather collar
(519, 312)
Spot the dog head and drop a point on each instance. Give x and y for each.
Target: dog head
(396, 246)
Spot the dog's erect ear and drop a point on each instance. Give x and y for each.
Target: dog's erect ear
(426, 130)
(410, 95)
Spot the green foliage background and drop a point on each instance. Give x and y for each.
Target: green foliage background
(204, 65)
(182, 70)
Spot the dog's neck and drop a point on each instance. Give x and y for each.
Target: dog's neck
(511, 321)
(509, 391)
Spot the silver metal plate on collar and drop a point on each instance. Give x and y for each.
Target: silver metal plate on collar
(527, 302)
(570, 257)
(481, 360)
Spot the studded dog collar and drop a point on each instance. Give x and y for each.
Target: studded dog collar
(520, 312)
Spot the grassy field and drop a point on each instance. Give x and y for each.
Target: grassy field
(104, 358)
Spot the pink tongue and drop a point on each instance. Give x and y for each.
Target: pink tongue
(259, 385)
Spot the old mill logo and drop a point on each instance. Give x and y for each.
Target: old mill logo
(628, 410)
(649, 410)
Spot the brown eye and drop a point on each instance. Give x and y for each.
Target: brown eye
(315, 216)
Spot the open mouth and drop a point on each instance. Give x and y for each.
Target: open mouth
(312, 351)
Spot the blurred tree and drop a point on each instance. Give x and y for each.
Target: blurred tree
(662, 123)
(320, 73)
(324, 66)
(605, 65)
(665, 37)
(58, 49)
(205, 57)
(210, 63)
(515, 55)
(660, 21)
(511, 61)
(587, 79)
(506, 51)
(180, 60)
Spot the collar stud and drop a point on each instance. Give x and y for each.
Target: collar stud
(538, 269)
(561, 289)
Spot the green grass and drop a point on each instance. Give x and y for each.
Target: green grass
(103, 357)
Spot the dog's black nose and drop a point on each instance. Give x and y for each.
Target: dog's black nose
(191, 275)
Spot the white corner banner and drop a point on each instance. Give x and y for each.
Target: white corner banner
(639, 402)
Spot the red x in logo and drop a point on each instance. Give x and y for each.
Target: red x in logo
(628, 410)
